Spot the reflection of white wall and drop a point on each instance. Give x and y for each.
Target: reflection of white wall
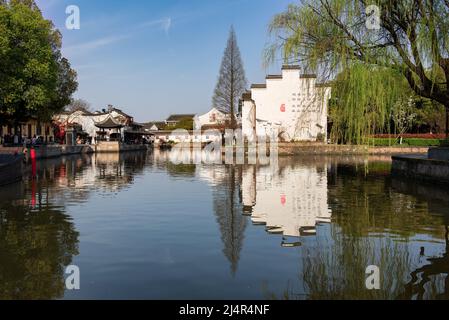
(249, 186)
(291, 203)
(212, 174)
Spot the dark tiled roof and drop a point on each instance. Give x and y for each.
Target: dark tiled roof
(220, 127)
(154, 123)
(308, 76)
(258, 86)
(274, 76)
(109, 123)
(291, 67)
(179, 117)
(247, 96)
(121, 112)
(323, 85)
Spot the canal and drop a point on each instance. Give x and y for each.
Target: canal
(139, 226)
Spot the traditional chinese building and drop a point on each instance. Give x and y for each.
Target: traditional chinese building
(214, 117)
(102, 125)
(27, 129)
(291, 105)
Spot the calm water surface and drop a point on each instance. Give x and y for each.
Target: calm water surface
(139, 226)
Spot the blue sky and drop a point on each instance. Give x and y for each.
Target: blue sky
(152, 58)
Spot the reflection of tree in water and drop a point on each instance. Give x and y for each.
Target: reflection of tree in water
(376, 222)
(430, 280)
(37, 239)
(337, 270)
(428, 275)
(228, 210)
(181, 170)
(35, 246)
(373, 224)
(365, 204)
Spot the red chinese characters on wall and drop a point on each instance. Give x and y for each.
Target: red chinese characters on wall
(283, 199)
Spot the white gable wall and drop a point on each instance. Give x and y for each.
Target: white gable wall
(305, 114)
(213, 117)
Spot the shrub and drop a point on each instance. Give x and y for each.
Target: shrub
(412, 135)
(321, 137)
(381, 142)
(445, 143)
(412, 142)
(422, 142)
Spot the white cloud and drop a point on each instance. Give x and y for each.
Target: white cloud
(88, 46)
(85, 47)
(165, 24)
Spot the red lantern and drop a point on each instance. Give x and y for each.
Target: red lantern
(283, 108)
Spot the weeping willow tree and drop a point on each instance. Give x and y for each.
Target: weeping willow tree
(363, 101)
(328, 37)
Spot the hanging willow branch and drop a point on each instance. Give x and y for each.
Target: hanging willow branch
(363, 101)
(330, 37)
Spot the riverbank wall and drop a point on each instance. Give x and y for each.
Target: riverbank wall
(53, 151)
(50, 151)
(300, 149)
(421, 167)
(11, 168)
(291, 149)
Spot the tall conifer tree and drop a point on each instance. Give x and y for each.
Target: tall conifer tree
(231, 80)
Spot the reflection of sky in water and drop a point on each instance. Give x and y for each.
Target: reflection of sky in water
(147, 228)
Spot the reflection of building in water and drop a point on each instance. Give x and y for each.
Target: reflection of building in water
(115, 172)
(212, 174)
(38, 239)
(183, 154)
(290, 202)
(76, 178)
(181, 158)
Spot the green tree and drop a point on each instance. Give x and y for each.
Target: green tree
(329, 35)
(231, 80)
(430, 116)
(35, 80)
(186, 124)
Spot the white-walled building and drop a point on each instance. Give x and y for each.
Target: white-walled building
(212, 118)
(292, 104)
(88, 120)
